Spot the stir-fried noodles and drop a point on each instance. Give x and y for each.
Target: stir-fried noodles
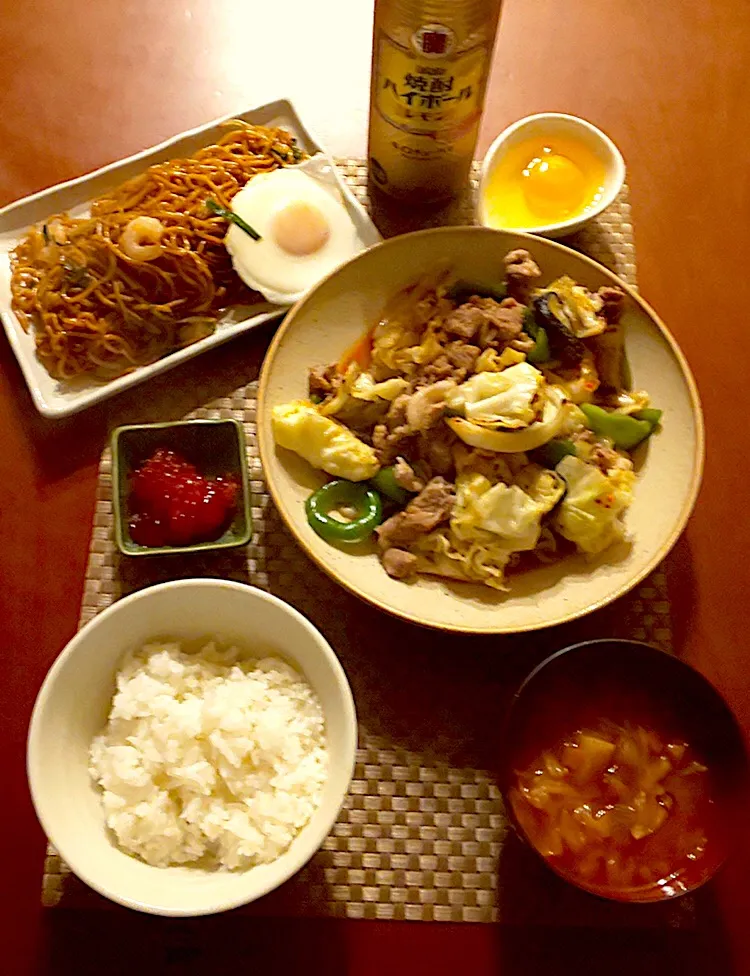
(147, 271)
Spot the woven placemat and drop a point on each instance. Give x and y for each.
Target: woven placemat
(422, 834)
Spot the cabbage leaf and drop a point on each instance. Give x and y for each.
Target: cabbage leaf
(590, 514)
(507, 399)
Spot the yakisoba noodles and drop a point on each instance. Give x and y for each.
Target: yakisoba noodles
(147, 272)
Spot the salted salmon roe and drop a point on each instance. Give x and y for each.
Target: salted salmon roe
(174, 505)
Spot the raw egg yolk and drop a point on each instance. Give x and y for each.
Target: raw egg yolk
(300, 228)
(553, 185)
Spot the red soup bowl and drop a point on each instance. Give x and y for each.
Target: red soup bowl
(625, 770)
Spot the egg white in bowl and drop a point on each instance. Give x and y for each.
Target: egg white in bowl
(305, 230)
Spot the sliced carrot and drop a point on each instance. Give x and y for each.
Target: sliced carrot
(360, 353)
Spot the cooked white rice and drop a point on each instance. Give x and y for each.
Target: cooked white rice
(209, 756)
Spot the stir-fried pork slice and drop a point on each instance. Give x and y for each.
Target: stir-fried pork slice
(389, 444)
(406, 476)
(427, 405)
(463, 356)
(424, 513)
(396, 416)
(612, 301)
(521, 273)
(436, 371)
(435, 450)
(493, 323)
(465, 320)
(399, 564)
(361, 415)
(605, 458)
(322, 381)
(409, 415)
(502, 324)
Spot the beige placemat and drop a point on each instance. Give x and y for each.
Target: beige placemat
(422, 834)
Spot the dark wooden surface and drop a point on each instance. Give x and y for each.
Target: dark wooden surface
(81, 85)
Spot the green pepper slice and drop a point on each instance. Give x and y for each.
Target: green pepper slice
(386, 484)
(649, 414)
(339, 494)
(552, 453)
(625, 432)
(541, 351)
(462, 290)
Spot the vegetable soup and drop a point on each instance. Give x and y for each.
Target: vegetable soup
(618, 806)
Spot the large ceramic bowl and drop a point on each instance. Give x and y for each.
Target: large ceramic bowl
(73, 705)
(347, 303)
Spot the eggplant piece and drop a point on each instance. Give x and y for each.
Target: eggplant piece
(611, 361)
(551, 314)
(576, 307)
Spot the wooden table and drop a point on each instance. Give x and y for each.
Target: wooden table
(85, 84)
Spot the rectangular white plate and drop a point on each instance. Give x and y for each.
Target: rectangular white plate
(56, 398)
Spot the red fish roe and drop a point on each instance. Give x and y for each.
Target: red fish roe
(174, 505)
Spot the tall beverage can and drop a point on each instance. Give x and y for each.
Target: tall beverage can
(430, 64)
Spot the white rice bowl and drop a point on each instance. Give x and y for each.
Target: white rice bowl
(73, 709)
(211, 756)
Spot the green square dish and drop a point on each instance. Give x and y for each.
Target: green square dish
(215, 447)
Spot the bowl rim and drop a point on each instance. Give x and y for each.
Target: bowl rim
(675, 661)
(616, 168)
(266, 444)
(504, 774)
(312, 843)
(129, 548)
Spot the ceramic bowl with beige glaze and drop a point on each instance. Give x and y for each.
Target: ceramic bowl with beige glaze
(75, 699)
(669, 466)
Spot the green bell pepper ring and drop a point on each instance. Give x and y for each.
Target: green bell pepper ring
(624, 431)
(339, 494)
(386, 484)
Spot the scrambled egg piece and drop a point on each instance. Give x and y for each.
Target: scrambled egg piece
(323, 442)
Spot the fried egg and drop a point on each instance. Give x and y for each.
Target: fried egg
(305, 232)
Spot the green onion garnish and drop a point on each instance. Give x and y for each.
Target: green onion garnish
(233, 218)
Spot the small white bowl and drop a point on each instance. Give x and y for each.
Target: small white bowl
(548, 125)
(73, 704)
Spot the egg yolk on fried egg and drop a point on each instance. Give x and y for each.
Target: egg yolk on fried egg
(305, 233)
(543, 181)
